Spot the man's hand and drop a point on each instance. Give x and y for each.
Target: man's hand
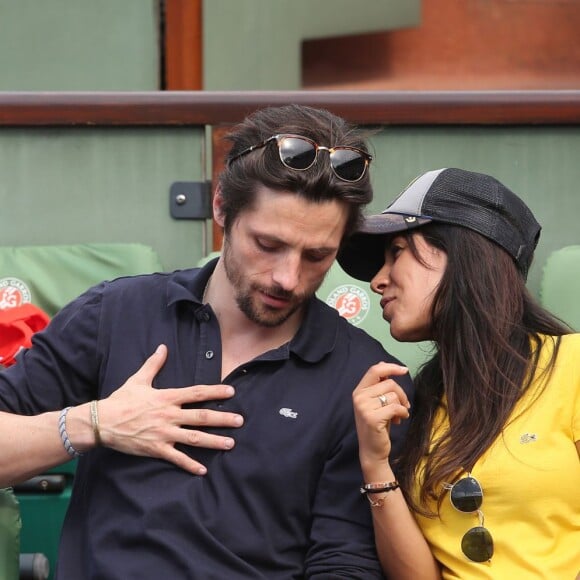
(140, 420)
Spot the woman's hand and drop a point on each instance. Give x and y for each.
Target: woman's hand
(377, 401)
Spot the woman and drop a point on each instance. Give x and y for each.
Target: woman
(489, 481)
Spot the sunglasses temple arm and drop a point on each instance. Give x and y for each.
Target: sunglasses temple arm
(262, 144)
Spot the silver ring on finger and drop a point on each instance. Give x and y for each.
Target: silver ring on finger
(383, 400)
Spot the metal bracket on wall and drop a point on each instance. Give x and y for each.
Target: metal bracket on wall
(190, 200)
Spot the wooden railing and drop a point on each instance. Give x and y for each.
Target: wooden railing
(362, 107)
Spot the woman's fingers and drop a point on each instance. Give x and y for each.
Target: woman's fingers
(379, 401)
(377, 382)
(381, 371)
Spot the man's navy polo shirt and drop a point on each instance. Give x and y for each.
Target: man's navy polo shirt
(282, 504)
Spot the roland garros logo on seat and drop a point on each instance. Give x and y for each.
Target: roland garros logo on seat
(13, 293)
(351, 301)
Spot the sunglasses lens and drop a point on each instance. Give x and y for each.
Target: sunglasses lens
(466, 495)
(348, 164)
(477, 544)
(297, 153)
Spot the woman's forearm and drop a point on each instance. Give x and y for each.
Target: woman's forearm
(402, 549)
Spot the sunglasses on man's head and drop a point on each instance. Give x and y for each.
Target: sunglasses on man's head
(300, 153)
(466, 496)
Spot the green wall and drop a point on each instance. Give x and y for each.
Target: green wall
(256, 44)
(79, 45)
(115, 45)
(100, 185)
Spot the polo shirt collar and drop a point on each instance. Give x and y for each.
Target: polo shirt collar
(318, 334)
(188, 285)
(316, 337)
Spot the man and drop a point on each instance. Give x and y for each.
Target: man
(251, 472)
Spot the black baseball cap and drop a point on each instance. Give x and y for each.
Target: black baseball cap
(452, 196)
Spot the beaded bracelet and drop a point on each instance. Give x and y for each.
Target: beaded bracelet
(63, 434)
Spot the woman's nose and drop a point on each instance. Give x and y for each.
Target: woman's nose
(381, 279)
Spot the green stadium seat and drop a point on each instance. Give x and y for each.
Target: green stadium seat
(54, 275)
(9, 535)
(560, 285)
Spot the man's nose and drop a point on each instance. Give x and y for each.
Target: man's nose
(287, 273)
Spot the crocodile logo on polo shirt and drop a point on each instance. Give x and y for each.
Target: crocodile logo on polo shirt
(288, 413)
(13, 293)
(351, 301)
(528, 438)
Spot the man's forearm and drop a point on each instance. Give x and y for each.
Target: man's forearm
(32, 444)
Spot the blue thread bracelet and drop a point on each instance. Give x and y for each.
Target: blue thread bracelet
(63, 434)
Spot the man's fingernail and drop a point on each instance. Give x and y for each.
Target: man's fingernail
(228, 443)
(202, 470)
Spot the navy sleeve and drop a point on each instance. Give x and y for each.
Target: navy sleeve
(342, 533)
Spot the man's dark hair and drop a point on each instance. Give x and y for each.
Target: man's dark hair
(262, 167)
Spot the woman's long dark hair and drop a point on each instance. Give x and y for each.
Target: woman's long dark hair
(487, 329)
